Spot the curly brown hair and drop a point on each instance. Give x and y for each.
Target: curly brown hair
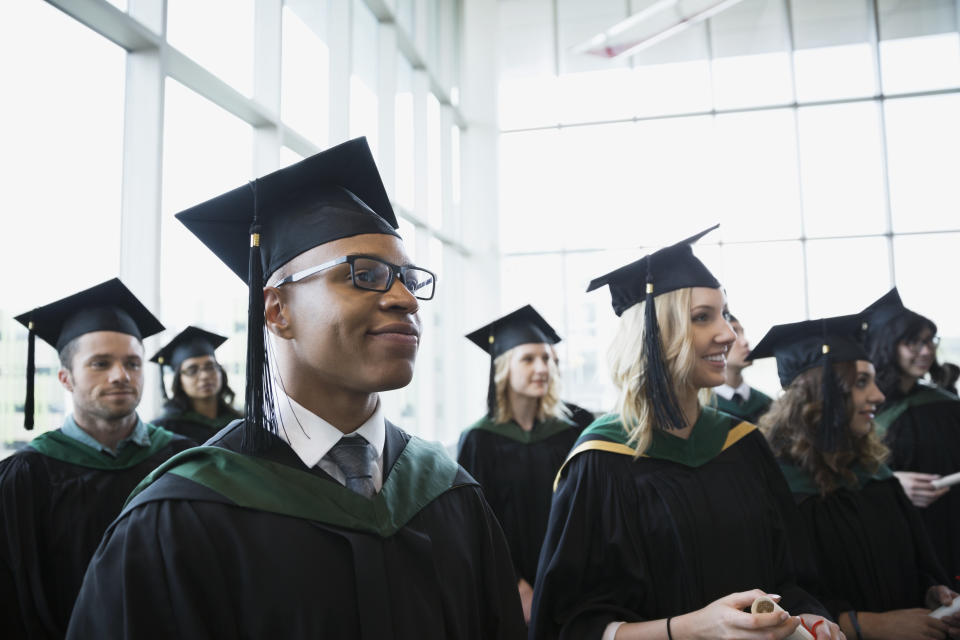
(791, 427)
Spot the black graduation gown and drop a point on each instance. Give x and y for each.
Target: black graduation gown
(755, 406)
(190, 424)
(53, 512)
(668, 533)
(516, 469)
(923, 433)
(871, 547)
(186, 560)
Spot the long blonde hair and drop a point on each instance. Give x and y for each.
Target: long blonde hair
(626, 360)
(549, 406)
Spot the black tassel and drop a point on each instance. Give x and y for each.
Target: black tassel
(663, 400)
(259, 396)
(163, 387)
(831, 422)
(28, 403)
(491, 394)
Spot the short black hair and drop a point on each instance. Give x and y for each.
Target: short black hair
(882, 347)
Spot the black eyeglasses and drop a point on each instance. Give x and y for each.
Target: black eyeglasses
(373, 274)
(916, 344)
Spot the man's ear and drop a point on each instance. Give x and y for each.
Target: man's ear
(65, 378)
(276, 313)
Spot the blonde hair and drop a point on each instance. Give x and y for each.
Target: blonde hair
(626, 360)
(549, 406)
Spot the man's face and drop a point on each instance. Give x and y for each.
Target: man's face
(105, 375)
(341, 336)
(739, 349)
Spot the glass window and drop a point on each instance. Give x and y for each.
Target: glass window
(845, 275)
(923, 150)
(405, 168)
(919, 45)
(923, 264)
(597, 95)
(751, 65)
(363, 80)
(60, 171)
(833, 57)
(756, 176)
(529, 189)
(206, 152)
(841, 167)
(674, 76)
(434, 164)
(229, 55)
(305, 73)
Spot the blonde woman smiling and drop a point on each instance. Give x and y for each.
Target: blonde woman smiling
(670, 517)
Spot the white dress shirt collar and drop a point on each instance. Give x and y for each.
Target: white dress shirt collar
(726, 392)
(311, 437)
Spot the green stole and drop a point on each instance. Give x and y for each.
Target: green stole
(755, 402)
(802, 483)
(422, 473)
(54, 444)
(513, 431)
(712, 433)
(923, 394)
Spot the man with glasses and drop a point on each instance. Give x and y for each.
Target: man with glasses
(315, 517)
(59, 494)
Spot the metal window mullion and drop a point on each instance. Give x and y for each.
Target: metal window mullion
(267, 34)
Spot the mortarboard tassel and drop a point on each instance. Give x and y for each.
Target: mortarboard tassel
(259, 398)
(491, 394)
(830, 422)
(163, 387)
(28, 403)
(666, 409)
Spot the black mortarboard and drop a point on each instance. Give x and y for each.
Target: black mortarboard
(257, 228)
(886, 308)
(109, 306)
(801, 346)
(189, 343)
(671, 268)
(523, 326)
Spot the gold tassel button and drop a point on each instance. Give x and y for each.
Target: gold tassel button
(491, 339)
(254, 239)
(649, 287)
(826, 348)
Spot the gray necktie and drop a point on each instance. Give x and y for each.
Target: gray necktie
(355, 457)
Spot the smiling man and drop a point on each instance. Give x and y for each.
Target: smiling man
(58, 495)
(315, 517)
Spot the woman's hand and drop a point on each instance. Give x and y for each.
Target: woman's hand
(725, 618)
(526, 598)
(941, 596)
(823, 629)
(901, 624)
(919, 487)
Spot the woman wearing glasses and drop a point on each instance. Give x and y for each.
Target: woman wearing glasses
(879, 575)
(920, 422)
(201, 402)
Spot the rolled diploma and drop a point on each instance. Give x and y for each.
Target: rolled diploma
(763, 604)
(947, 481)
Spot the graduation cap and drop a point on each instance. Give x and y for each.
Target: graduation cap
(671, 268)
(257, 228)
(192, 342)
(108, 306)
(801, 346)
(523, 326)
